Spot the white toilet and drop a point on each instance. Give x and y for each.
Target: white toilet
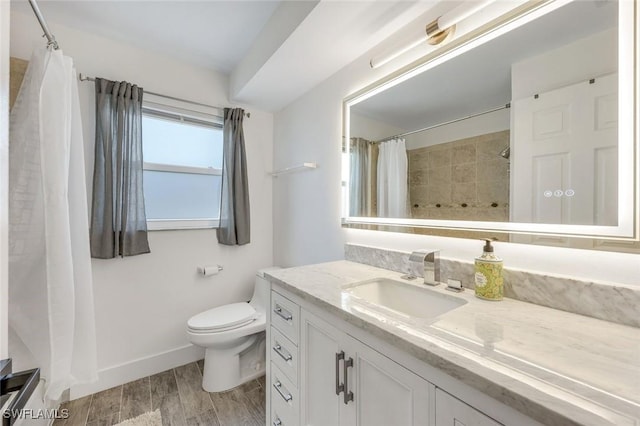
(234, 338)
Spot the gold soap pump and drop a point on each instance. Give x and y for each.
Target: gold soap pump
(489, 284)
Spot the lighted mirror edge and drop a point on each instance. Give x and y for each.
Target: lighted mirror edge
(628, 228)
(628, 124)
(578, 231)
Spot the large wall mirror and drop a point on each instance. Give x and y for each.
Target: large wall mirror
(527, 134)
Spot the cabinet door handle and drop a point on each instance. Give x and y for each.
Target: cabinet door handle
(278, 349)
(348, 395)
(277, 421)
(286, 396)
(282, 313)
(339, 386)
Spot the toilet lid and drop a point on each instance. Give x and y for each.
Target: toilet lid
(223, 317)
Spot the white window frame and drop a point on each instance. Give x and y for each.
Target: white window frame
(184, 112)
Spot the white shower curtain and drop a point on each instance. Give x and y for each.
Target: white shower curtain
(50, 283)
(392, 179)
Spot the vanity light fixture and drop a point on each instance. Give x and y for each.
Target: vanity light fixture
(436, 31)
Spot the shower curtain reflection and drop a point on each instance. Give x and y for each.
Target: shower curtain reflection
(392, 179)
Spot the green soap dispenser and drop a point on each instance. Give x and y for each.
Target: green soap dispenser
(488, 277)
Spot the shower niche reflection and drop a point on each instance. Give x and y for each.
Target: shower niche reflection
(521, 129)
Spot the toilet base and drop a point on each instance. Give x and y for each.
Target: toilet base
(224, 370)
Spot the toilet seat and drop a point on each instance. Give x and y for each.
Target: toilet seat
(222, 318)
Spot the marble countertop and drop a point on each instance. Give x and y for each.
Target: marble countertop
(553, 366)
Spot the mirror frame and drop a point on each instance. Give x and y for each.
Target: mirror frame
(623, 237)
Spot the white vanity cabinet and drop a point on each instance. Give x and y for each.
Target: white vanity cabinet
(344, 382)
(320, 374)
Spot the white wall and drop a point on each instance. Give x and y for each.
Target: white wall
(368, 128)
(481, 125)
(143, 302)
(4, 170)
(307, 207)
(586, 58)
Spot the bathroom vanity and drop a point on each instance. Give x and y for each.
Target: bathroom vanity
(349, 345)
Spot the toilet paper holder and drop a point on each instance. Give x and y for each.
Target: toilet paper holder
(209, 270)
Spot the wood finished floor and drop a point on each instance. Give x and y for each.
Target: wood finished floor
(178, 394)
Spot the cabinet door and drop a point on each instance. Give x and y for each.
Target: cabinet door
(451, 411)
(320, 372)
(384, 393)
(387, 393)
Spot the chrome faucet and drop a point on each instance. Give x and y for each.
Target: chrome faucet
(425, 264)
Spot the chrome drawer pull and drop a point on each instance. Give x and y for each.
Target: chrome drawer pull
(287, 397)
(279, 351)
(277, 421)
(282, 313)
(339, 386)
(348, 395)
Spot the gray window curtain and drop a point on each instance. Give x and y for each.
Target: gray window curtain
(118, 220)
(359, 177)
(235, 227)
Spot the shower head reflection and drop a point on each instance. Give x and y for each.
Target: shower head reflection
(506, 153)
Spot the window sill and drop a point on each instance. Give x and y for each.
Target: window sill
(174, 224)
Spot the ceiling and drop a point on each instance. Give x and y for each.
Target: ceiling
(214, 34)
(450, 91)
(274, 51)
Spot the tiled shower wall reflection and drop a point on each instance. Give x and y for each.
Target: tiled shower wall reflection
(18, 67)
(465, 179)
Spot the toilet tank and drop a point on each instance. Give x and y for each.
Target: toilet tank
(261, 290)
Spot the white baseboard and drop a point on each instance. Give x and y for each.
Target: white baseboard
(138, 368)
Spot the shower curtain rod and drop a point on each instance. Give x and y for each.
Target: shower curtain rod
(51, 39)
(83, 77)
(443, 124)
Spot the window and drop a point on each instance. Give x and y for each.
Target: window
(182, 153)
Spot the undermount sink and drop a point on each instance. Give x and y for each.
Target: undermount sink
(408, 299)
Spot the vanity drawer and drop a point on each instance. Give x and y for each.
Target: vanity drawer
(284, 398)
(281, 418)
(451, 411)
(285, 316)
(284, 354)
